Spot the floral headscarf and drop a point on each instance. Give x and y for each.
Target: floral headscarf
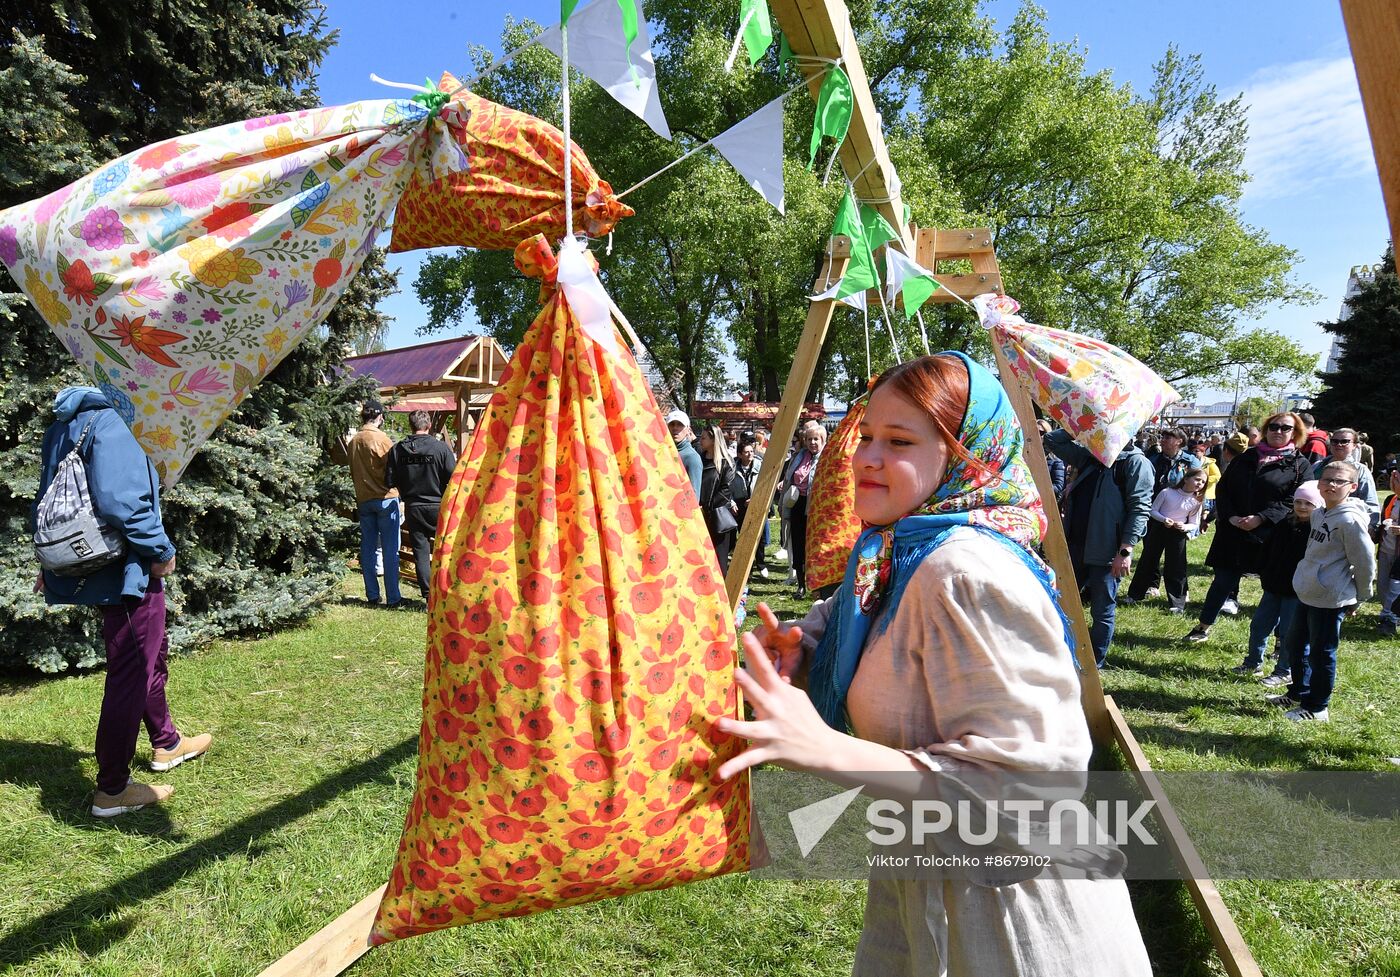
(994, 494)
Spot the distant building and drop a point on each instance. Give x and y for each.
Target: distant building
(1206, 417)
(1359, 275)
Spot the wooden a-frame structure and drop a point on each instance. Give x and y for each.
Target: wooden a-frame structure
(821, 29)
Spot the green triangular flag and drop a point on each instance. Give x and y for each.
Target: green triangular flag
(566, 7)
(860, 270)
(629, 22)
(835, 103)
(784, 50)
(877, 230)
(758, 28)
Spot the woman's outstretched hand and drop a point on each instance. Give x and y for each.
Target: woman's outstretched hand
(783, 647)
(787, 729)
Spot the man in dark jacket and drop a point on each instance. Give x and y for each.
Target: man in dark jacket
(1105, 516)
(125, 494)
(420, 466)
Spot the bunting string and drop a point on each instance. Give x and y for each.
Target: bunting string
(691, 152)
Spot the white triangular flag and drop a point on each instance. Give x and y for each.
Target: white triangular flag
(598, 48)
(855, 300)
(901, 274)
(754, 147)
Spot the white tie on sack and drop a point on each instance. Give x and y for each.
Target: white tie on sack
(585, 294)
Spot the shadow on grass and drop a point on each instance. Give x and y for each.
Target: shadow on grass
(1264, 751)
(80, 921)
(66, 794)
(1176, 939)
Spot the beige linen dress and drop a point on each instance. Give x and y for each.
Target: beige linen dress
(973, 671)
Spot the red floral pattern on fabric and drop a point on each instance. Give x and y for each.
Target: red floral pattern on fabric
(832, 524)
(579, 652)
(513, 190)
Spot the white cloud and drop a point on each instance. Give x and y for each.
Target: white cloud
(1306, 128)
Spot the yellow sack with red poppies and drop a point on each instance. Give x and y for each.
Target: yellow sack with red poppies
(832, 524)
(512, 189)
(580, 649)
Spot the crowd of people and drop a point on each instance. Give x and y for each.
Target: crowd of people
(1295, 505)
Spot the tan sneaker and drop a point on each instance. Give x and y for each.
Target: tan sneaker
(133, 798)
(188, 748)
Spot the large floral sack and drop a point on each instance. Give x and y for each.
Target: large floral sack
(179, 275)
(580, 649)
(1097, 392)
(832, 524)
(514, 188)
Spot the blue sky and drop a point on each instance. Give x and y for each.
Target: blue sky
(1315, 187)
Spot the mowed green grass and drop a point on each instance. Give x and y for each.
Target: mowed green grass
(295, 815)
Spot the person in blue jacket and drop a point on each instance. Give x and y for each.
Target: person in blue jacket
(130, 594)
(1105, 516)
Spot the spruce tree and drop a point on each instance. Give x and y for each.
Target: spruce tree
(1355, 395)
(255, 517)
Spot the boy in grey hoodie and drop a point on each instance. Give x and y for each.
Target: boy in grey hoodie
(1335, 576)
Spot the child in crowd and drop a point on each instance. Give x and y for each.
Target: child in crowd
(1336, 574)
(1283, 551)
(1175, 518)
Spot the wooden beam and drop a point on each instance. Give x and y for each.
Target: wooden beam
(822, 29)
(1056, 549)
(1373, 29)
(1215, 915)
(335, 947)
(804, 366)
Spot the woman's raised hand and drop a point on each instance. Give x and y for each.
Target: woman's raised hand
(787, 729)
(784, 647)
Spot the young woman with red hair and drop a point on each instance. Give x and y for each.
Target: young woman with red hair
(944, 655)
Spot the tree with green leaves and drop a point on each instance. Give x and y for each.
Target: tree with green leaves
(255, 517)
(1115, 214)
(1358, 393)
(1251, 411)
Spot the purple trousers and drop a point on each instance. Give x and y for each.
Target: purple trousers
(134, 631)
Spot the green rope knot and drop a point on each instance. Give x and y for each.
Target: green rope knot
(431, 99)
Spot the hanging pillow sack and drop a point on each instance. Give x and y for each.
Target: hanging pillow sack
(580, 649)
(832, 524)
(514, 191)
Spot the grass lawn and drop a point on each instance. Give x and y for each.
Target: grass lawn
(295, 815)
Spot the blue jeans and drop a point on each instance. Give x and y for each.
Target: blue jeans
(379, 529)
(1101, 587)
(1223, 586)
(1273, 615)
(1311, 647)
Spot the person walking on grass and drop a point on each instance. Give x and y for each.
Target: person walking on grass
(1283, 551)
(1334, 578)
(1169, 467)
(419, 468)
(1254, 494)
(1175, 518)
(378, 504)
(130, 593)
